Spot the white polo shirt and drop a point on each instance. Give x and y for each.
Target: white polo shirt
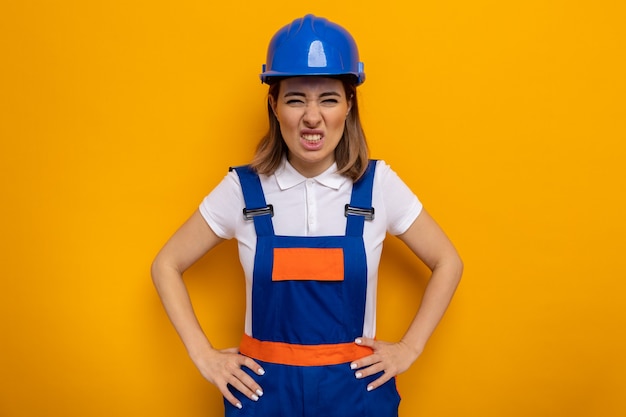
(313, 207)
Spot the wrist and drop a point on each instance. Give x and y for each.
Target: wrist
(199, 351)
(415, 348)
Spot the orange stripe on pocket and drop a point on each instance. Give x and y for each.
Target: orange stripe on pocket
(314, 264)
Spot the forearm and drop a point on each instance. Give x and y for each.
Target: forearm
(221, 368)
(395, 358)
(177, 303)
(437, 296)
(183, 249)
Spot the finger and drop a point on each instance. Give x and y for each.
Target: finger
(252, 365)
(385, 377)
(230, 397)
(370, 370)
(246, 379)
(241, 382)
(364, 341)
(365, 362)
(247, 385)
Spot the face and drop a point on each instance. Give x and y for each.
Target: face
(312, 113)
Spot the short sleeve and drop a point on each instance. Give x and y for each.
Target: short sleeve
(401, 204)
(219, 208)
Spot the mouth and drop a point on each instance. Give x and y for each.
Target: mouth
(312, 138)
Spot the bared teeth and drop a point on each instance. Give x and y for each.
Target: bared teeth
(312, 138)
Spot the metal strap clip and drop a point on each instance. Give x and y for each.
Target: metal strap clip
(249, 214)
(368, 213)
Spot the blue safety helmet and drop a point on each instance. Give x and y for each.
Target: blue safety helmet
(312, 46)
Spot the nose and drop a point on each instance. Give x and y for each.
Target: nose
(312, 115)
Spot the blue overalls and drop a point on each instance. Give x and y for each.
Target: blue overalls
(308, 305)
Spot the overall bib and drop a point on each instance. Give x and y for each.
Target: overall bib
(308, 305)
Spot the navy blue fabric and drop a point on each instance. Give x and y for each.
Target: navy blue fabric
(316, 391)
(310, 312)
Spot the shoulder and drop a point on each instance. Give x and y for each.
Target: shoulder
(384, 173)
(381, 166)
(386, 178)
(396, 200)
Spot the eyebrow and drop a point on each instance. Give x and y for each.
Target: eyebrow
(299, 94)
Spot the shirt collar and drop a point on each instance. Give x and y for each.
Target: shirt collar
(287, 177)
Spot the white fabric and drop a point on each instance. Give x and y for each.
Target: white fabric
(313, 207)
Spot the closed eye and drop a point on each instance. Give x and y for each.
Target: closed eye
(330, 98)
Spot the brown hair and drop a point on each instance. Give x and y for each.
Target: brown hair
(351, 154)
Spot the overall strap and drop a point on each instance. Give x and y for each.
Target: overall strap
(360, 207)
(256, 208)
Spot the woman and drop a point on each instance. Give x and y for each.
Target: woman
(310, 214)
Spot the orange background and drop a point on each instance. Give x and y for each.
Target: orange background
(506, 118)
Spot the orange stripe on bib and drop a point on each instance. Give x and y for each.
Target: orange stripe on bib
(308, 264)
